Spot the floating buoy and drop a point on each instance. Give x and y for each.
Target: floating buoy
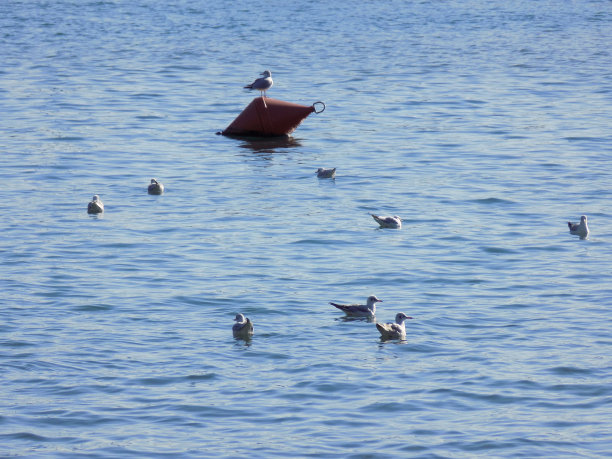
(266, 117)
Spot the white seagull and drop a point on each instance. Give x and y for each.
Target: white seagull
(326, 173)
(388, 222)
(396, 330)
(243, 328)
(95, 206)
(155, 187)
(361, 310)
(581, 229)
(262, 84)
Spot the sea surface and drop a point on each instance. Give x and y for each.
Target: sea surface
(485, 125)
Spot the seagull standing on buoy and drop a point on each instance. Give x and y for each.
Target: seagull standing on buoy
(396, 330)
(262, 84)
(581, 229)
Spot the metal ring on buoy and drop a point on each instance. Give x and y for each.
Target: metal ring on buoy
(315, 109)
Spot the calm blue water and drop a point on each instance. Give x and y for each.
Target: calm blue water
(484, 124)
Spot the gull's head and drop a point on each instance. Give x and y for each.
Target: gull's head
(400, 317)
(153, 181)
(266, 74)
(397, 218)
(583, 219)
(96, 198)
(373, 300)
(239, 318)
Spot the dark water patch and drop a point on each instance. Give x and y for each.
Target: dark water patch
(584, 139)
(392, 407)
(146, 95)
(552, 165)
(149, 117)
(490, 201)
(27, 436)
(452, 281)
(562, 405)
(550, 248)
(16, 344)
(211, 412)
(514, 306)
(351, 423)
(94, 308)
(66, 139)
(570, 371)
(494, 399)
(584, 390)
(171, 380)
(455, 238)
(76, 418)
(498, 250)
(476, 101)
(450, 146)
(322, 242)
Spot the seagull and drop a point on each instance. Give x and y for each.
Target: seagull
(262, 84)
(362, 310)
(396, 330)
(243, 328)
(95, 206)
(388, 222)
(156, 187)
(581, 229)
(326, 173)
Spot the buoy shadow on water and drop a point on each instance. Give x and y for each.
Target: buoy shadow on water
(269, 144)
(266, 117)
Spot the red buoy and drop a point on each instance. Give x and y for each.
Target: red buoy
(265, 117)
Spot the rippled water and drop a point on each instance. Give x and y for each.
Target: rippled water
(485, 125)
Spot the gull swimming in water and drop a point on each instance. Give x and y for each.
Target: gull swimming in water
(581, 229)
(326, 173)
(361, 310)
(243, 328)
(396, 330)
(95, 206)
(155, 187)
(388, 222)
(262, 84)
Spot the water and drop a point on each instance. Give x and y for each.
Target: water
(485, 125)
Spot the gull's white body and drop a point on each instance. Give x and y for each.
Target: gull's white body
(388, 222)
(359, 310)
(155, 187)
(395, 330)
(243, 328)
(95, 206)
(581, 229)
(326, 173)
(262, 84)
